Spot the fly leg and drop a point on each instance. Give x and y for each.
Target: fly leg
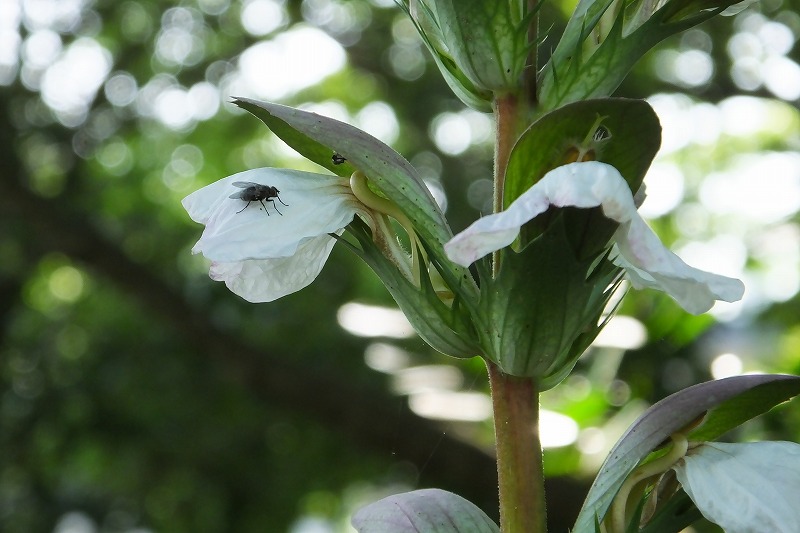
(275, 206)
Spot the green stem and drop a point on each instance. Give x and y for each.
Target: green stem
(519, 453)
(515, 400)
(507, 119)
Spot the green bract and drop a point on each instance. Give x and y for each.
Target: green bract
(480, 46)
(543, 308)
(629, 140)
(445, 328)
(605, 38)
(425, 19)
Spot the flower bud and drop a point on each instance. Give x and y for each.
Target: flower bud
(480, 46)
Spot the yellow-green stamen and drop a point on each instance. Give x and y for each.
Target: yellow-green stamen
(361, 190)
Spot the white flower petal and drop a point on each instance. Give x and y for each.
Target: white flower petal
(317, 205)
(649, 264)
(585, 185)
(695, 290)
(745, 488)
(594, 184)
(265, 280)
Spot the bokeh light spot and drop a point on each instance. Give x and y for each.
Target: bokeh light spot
(260, 17)
(66, 284)
(726, 365)
(374, 321)
(295, 59)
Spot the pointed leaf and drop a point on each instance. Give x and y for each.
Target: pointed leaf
(583, 20)
(423, 511)
(754, 394)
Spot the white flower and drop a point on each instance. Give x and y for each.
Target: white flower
(266, 249)
(745, 488)
(591, 184)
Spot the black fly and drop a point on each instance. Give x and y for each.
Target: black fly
(338, 159)
(255, 192)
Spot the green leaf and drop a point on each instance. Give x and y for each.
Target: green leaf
(744, 407)
(423, 511)
(583, 20)
(752, 395)
(461, 86)
(318, 138)
(566, 58)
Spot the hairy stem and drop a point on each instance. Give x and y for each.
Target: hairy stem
(516, 400)
(506, 116)
(519, 453)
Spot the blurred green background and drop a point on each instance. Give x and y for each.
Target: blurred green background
(138, 395)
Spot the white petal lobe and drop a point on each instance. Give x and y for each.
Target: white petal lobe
(266, 280)
(235, 231)
(277, 243)
(578, 184)
(594, 184)
(745, 488)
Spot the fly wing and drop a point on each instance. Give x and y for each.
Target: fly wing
(248, 186)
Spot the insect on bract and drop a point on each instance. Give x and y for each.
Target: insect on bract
(338, 159)
(255, 192)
